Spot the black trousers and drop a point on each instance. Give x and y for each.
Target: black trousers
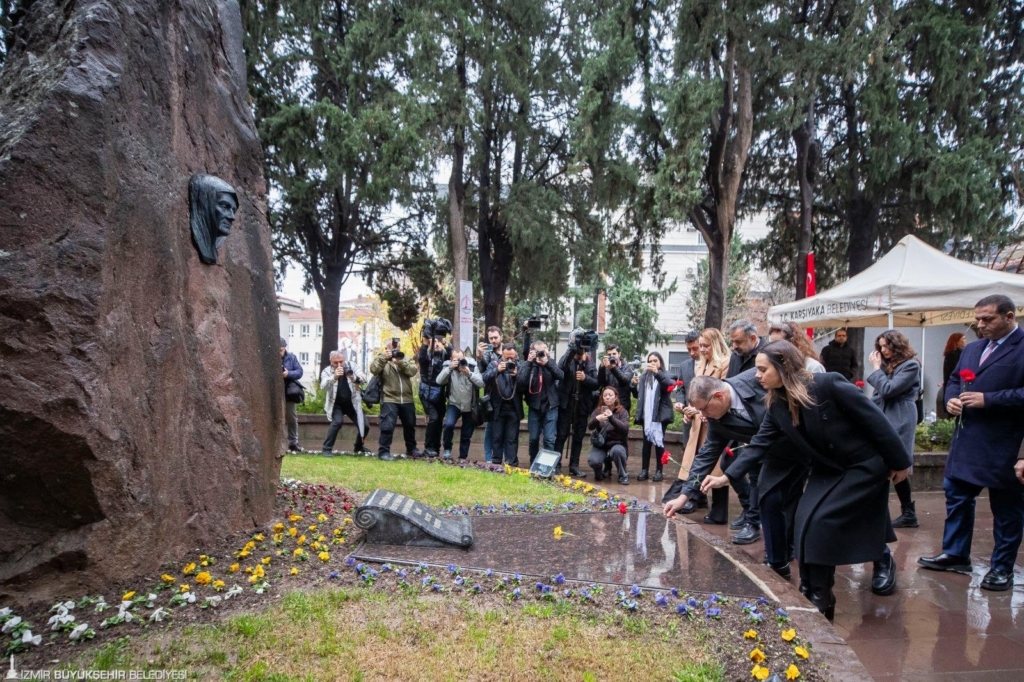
(778, 513)
(342, 409)
(390, 413)
(435, 424)
(746, 491)
(505, 439)
(579, 430)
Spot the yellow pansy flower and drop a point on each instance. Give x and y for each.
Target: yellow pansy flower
(315, 545)
(278, 538)
(258, 537)
(322, 518)
(750, 634)
(189, 569)
(298, 552)
(588, 488)
(184, 588)
(278, 528)
(293, 531)
(265, 560)
(244, 553)
(558, 532)
(348, 519)
(312, 529)
(760, 673)
(204, 578)
(168, 579)
(250, 545)
(294, 518)
(801, 652)
(294, 571)
(789, 634)
(792, 672)
(301, 540)
(757, 656)
(322, 538)
(324, 556)
(218, 585)
(337, 532)
(567, 482)
(127, 595)
(258, 571)
(234, 568)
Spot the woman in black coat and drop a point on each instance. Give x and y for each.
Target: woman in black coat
(653, 415)
(612, 420)
(843, 516)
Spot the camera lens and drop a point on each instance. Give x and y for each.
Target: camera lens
(463, 363)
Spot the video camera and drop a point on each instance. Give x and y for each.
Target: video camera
(395, 353)
(436, 328)
(636, 364)
(582, 341)
(535, 321)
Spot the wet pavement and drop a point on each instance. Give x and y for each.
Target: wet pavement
(937, 626)
(637, 548)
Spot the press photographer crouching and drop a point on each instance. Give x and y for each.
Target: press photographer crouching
(343, 398)
(434, 354)
(462, 380)
(616, 374)
(609, 425)
(539, 382)
(576, 395)
(502, 380)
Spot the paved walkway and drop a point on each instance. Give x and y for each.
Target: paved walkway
(937, 626)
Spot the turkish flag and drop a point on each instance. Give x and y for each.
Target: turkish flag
(810, 286)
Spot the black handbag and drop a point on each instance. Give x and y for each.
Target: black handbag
(294, 392)
(597, 438)
(371, 394)
(483, 410)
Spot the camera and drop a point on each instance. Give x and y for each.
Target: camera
(349, 372)
(535, 321)
(582, 341)
(436, 328)
(463, 363)
(541, 354)
(489, 347)
(397, 354)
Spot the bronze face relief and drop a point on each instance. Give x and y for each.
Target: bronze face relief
(212, 207)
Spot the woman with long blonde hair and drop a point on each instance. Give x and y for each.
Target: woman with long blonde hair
(714, 362)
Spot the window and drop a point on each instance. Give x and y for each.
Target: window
(291, 331)
(304, 358)
(304, 331)
(675, 358)
(319, 331)
(316, 359)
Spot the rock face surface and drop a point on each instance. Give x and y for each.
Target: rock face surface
(141, 396)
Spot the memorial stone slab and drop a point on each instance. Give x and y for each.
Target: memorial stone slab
(390, 518)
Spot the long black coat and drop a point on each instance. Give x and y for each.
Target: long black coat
(663, 411)
(843, 517)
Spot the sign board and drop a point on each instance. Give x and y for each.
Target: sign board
(466, 314)
(390, 518)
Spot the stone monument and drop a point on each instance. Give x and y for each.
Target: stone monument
(141, 402)
(391, 518)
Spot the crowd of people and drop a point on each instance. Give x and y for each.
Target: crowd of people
(809, 455)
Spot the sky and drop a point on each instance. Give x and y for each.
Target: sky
(292, 288)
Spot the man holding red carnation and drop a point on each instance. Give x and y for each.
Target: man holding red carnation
(986, 395)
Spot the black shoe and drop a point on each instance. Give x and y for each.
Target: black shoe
(749, 535)
(575, 471)
(883, 579)
(997, 581)
(607, 470)
(386, 457)
(658, 476)
(598, 476)
(737, 524)
(416, 453)
(784, 570)
(360, 450)
(805, 589)
(946, 562)
(689, 507)
(712, 521)
(624, 480)
(295, 448)
(642, 476)
(327, 453)
(431, 453)
(908, 519)
(825, 603)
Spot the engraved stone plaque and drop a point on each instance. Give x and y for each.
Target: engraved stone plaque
(390, 518)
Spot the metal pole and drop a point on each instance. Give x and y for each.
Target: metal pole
(364, 349)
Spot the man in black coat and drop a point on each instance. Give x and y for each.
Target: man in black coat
(734, 409)
(539, 384)
(617, 374)
(433, 355)
(843, 516)
(746, 344)
(502, 382)
(575, 402)
(839, 357)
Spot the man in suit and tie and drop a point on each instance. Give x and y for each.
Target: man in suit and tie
(687, 370)
(734, 409)
(985, 452)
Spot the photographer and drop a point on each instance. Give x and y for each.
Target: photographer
(539, 383)
(610, 426)
(463, 380)
(487, 354)
(617, 374)
(576, 395)
(395, 372)
(294, 394)
(433, 355)
(502, 382)
(343, 398)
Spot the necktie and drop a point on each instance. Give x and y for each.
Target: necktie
(988, 351)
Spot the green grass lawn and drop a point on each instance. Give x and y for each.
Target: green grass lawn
(358, 634)
(438, 485)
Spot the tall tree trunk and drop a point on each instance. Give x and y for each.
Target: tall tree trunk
(457, 239)
(803, 137)
(329, 294)
(718, 274)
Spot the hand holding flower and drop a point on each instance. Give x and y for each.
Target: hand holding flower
(714, 482)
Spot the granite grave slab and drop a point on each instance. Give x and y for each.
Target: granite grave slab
(639, 548)
(390, 518)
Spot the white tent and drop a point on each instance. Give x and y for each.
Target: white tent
(914, 285)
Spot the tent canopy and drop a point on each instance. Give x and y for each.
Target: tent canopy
(918, 285)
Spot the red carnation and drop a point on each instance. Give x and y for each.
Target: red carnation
(967, 375)
(664, 458)
(729, 452)
(859, 384)
(622, 507)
